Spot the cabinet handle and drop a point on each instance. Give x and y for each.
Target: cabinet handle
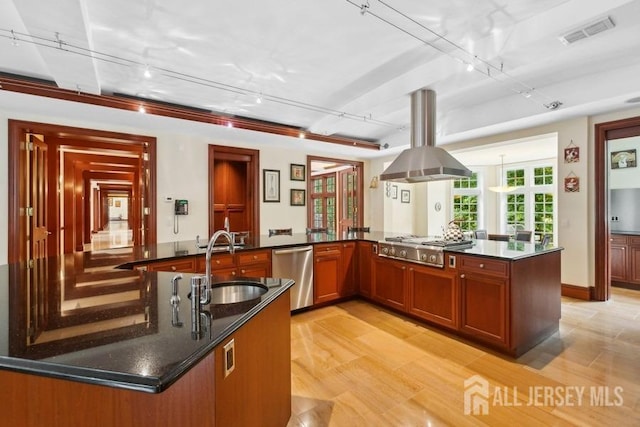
(233, 273)
(173, 268)
(255, 257)
(404, 267)
(623, 248)
(481, 265)
(462, 276)
(217, 261)
(243, 271)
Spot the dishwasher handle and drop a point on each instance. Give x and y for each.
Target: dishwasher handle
(293, 250)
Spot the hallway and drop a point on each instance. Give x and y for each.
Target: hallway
(115, 235)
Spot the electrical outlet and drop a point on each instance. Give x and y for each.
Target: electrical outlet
(229, 357)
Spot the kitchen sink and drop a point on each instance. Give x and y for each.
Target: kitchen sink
(236, 291)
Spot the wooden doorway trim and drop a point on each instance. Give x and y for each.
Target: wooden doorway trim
(252, 159)
(83, 140)
(605, 132)
(359, 168)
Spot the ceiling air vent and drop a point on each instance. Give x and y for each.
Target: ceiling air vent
(588, 30)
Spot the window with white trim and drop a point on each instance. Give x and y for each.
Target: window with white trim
(466, 195)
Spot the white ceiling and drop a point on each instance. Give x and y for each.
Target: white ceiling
(327, 67)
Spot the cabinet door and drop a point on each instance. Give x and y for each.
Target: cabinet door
(327, 273)
(634, 264)
(349, 268)
(365, 260)
(255, 270)
(254, 263)
(433, 295)
(618, 264)
(483, 310)
(389, 282)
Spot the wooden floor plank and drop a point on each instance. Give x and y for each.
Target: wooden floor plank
(357, 364)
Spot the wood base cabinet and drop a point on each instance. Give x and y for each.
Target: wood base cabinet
(390, 283)
(625, 258)
(510, 305)
(483, 306)
(253, 263)
(433, 295)
(366, 252)
(334, 269)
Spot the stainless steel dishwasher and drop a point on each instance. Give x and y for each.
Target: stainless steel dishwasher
(295, 263)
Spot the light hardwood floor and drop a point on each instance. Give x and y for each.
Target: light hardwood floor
(356, 364)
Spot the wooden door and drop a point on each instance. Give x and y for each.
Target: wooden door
(234, 189)
(37, 167)
(348, 209)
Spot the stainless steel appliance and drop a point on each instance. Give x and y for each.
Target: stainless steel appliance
(623, 209)
(420, 250)
(295, 263)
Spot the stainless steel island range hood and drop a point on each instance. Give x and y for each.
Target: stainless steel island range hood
(424, 161)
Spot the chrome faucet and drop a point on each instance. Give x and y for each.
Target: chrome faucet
(206, 294)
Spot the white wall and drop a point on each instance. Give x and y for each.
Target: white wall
(182, 156)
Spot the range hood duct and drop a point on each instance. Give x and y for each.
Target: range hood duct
(424, 161)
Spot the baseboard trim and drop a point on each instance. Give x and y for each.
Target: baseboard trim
(578, 292)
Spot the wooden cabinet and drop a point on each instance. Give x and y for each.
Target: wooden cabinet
(334, 271)
(433, 295)
(625, 258)
(484, 293)
(390, 282)
(348, 283)
(366, 253)
(254, 263)
(250, 263)
(182, 265)
(327, 272)
(257, 391)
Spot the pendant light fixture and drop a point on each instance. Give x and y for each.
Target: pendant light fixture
(504, 188)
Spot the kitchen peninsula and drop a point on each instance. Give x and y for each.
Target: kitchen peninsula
(90, 342)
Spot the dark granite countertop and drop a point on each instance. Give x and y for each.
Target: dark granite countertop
(173, 250)
(626, 232)
(79, 318)
(509, 251)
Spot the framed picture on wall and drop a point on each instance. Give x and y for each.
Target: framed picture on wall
(270, 185)
(394, 191)
(623, 159)
(297, 197)
(572, 184)
(572, 154)
(297, 172)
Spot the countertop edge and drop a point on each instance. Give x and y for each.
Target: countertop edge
(134, 382)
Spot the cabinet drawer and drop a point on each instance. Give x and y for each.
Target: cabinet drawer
(253, 257)
(634, 240)
(217, 261)
(484, 265)
(182, 265)
(326, 248)
(619, 239)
